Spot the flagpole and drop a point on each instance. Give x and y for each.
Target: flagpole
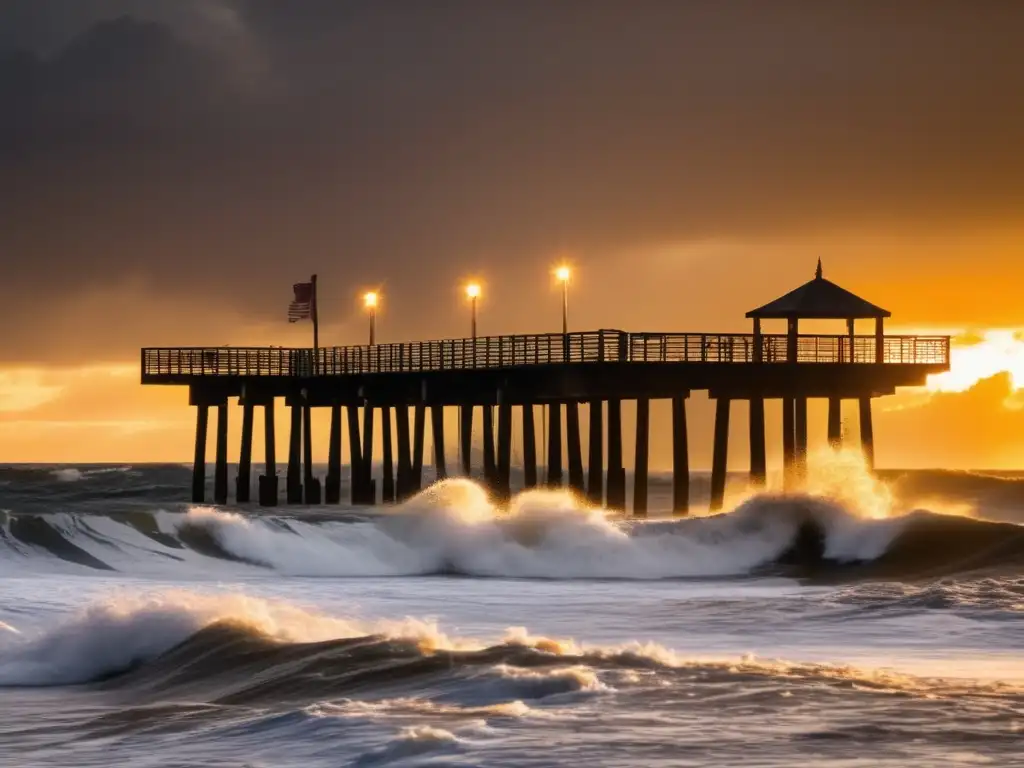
(316, 325)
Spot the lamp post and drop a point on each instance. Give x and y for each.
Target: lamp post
(563, 273)
(473, 293)
(370, 300)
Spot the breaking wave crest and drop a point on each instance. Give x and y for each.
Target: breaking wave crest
(238, 650)
(454, 529)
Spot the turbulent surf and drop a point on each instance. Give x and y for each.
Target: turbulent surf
(858, 614)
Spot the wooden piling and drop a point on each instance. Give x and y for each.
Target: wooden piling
(293, 492)
(355, 453)
(332, 488)
(466, 438)
(243, 483)
(418, 427)
(554, 479)
(680, 458)
(220, 469)
(388, 465)
(835, 423)
(310, 483)
(758, 458)
(595, 456)
(643, 429)
(867, 432)
(199, 465)
(490, 465)
(720, 458)
(504, 484)
(529, 447)
(369, 486)
(268, 480)
(615, 493)
(788, 443)
(574, 447)
(437, 430)
(800, 429)
(404, 482)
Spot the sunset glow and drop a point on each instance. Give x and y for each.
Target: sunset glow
(980, 357)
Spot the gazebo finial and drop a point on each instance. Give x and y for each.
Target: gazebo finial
(817, 272)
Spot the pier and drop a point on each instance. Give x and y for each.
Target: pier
(488, 378)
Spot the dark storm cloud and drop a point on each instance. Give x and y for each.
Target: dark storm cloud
(217, 151)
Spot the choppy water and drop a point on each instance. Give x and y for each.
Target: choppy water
(856, 624)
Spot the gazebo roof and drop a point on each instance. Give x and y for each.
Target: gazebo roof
(819, 299)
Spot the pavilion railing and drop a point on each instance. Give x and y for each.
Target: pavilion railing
(540, 349)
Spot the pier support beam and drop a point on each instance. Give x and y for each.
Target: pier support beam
(554, 479)
(529, 447)
(574, 447)
(418, 428)
(220, 468)
(720, 458)
(867, 432)
(332, 487)
(268, 480)
(437, 430)
(504, 447)
(355, 453)
(758, 460)
(312, 485)
(388, 466)
(199, 465)
(800, 429)
(615, 493)
(835, 423)
(490, 465)
(293, 493)
(788, 443)
(595, 457)
(680, 458)
(643, 429)
(404, 452)
(466, 438)
(243, 483)
(369, 486)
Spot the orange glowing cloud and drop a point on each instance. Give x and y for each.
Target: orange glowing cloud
(981, 356)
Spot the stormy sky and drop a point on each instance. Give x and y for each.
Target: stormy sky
(200, 156)
(169, 167)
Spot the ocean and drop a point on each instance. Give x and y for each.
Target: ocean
(865, 621)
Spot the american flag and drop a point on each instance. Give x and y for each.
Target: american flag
(301, 307)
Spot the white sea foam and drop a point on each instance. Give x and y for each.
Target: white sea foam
(543, 534)
(68, 475)
(113, 635)
(453, 527)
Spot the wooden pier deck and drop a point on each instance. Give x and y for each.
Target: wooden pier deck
(601, 368)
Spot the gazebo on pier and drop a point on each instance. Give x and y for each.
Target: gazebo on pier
(821, 299)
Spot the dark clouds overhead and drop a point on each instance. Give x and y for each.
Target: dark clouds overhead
(218, 150)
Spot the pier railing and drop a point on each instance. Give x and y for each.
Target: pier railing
(541, 349)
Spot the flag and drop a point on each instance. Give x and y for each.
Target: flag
(301, 307)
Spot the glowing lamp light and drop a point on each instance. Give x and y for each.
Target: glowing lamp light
(370, 300)
(473, 291)
(563, 273)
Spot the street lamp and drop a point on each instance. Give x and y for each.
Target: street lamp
(563, 273)
(473, 293)
(370, 300)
